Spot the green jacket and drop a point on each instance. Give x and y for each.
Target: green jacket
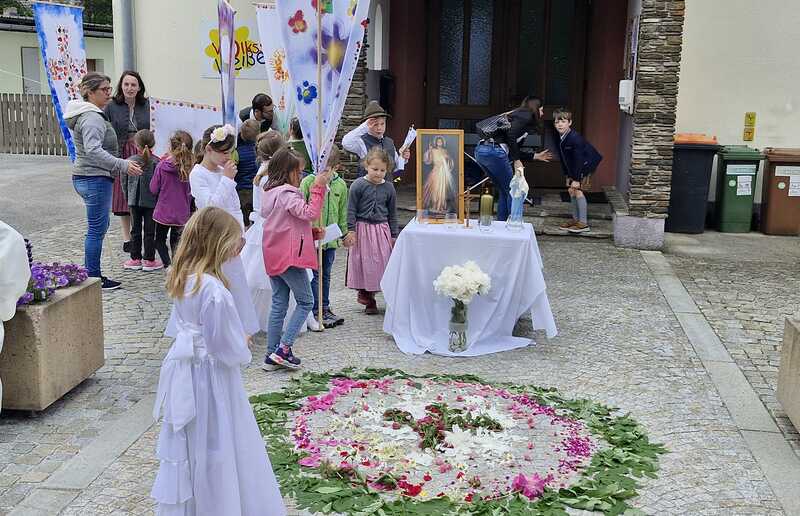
(300, 146)
(334, 208)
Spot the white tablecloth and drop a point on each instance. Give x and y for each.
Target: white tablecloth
(417, 317)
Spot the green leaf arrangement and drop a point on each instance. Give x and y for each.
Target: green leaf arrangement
(606, 485)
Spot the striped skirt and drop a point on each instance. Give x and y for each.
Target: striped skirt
(367, 260)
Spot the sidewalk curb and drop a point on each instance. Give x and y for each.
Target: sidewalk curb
(75, 475)
(775, 457)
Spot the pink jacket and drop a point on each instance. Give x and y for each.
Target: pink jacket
(287, 240)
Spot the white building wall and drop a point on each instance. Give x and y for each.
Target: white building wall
(170, 42)
(11, 43)
(740, 56)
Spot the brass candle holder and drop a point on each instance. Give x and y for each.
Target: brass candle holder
(468, 195)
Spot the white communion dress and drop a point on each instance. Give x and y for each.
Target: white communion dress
(212, 457)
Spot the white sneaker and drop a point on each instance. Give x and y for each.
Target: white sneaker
(312, 323)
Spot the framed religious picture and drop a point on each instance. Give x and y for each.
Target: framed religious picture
(440, 173)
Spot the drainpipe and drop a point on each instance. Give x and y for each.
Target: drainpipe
(124, 57)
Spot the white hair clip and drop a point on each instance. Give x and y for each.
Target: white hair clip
(221, 133)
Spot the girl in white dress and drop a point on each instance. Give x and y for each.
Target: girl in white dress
(212, 184)
(213, 458)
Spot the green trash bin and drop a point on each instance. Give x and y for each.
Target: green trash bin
(737, 168)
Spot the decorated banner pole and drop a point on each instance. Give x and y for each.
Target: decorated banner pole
(319, 160)
(227, 62)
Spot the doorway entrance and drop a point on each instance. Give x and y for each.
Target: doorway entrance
(485, 56)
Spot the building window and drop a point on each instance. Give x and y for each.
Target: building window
(30, 70)
(94, 65)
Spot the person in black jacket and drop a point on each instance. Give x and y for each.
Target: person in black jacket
(578, 161)
(497, 152)
(262, 109)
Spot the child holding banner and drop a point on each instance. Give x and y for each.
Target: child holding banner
(288, 243)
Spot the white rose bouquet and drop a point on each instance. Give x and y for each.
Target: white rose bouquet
(461, 283)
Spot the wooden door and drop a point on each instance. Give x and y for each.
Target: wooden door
(485, 56)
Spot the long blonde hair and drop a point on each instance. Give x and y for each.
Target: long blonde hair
(211, 238)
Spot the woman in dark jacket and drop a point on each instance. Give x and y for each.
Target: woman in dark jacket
(128, 112)
(498, 151)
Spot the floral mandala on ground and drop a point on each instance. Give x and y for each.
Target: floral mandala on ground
(386, 442)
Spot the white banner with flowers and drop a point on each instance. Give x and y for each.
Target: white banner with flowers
(275, 62)
(321, 79)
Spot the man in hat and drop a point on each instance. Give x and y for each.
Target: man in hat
(372, 133)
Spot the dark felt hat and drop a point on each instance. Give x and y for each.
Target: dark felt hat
(374, 110)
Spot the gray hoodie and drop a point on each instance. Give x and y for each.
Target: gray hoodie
(95, 141)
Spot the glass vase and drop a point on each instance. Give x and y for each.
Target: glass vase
(458, 327)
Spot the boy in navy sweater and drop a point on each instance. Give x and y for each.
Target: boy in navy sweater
(578, 161)
(246, 166)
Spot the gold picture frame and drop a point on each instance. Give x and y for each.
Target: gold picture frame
(440, 173)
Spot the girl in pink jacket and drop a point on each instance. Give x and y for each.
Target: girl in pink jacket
(288, 244)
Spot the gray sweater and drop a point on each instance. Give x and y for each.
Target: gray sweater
(137, 188)
(95, 141)
(373, 204)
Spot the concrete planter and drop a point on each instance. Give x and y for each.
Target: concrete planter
(789, 372)
(52, 347)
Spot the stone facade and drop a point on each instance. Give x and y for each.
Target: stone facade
(353, 111)
(659, 57)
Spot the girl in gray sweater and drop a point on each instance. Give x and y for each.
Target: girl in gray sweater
(372, 228)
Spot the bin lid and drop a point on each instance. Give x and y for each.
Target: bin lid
(740, 152)
(782, 155)
(695, 138)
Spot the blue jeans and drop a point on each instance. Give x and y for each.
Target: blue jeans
(96, 194)
(497, 165)
(327, 262)
(294, 280)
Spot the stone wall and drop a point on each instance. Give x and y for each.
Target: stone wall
(660, 38)
(353, 111)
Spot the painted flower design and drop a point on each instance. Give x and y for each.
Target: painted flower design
(306, 93)
(334, 49)
(297, 23)
(277, 64)
(327, 5)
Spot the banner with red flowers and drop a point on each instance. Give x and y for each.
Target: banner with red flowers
(60, 32)
(320, 77)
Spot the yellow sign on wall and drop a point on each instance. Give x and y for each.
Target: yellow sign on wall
(750, 119)
(749, 134)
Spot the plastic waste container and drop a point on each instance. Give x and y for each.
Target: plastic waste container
(693, 158)
(780, 203)
(737, 169)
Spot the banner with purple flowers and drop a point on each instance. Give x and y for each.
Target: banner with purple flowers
(320, 78)
(60, 32)
(227, 54)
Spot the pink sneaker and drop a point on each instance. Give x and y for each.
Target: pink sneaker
(133, 265)
(152, 265)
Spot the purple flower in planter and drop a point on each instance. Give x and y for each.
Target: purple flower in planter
(46, 278)
(26, 298)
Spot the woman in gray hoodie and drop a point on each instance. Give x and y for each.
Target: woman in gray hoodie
(96, 165)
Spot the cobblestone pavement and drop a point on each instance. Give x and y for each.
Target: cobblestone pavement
(746, 286)
(620, 344)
